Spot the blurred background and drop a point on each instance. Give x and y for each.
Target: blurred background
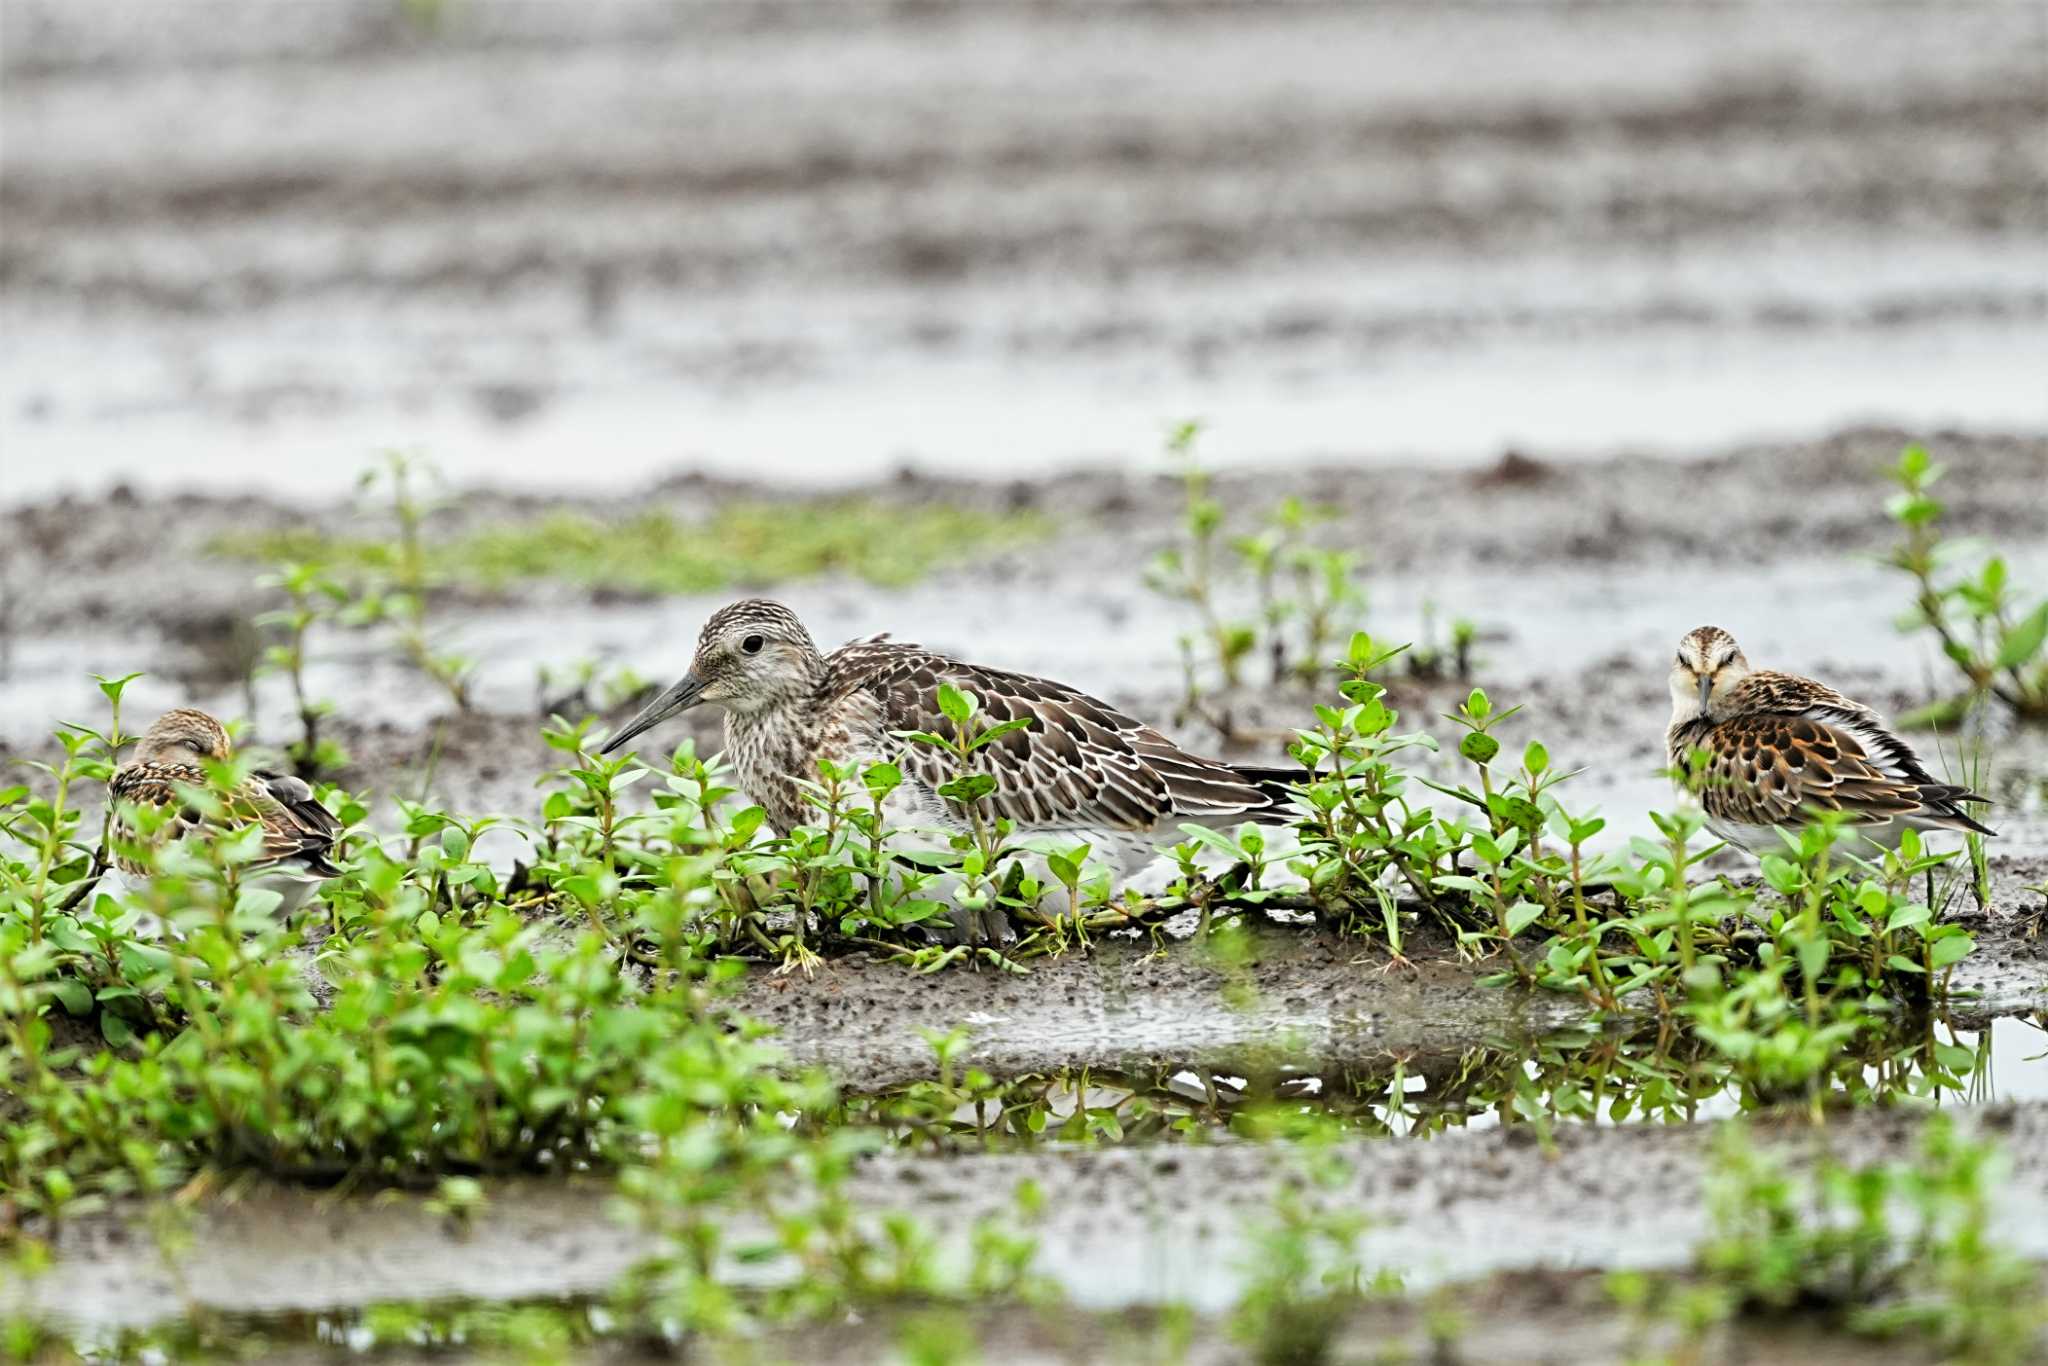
(249, 243)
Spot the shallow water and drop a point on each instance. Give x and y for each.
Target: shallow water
(1563, 1077)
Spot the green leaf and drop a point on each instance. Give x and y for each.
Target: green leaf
(1950, 949)
(115, 1030)
(956, 705)
(1479, 747)
(1214, 840)
(968, 788)
(2024, 640)
(1522, 915)
(1000, 729)
(113, 687)
(1813, 957)
(881, 779)
(1906, 917)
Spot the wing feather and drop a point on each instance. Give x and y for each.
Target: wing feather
(296, 827)
(1080, 763)
(1800, 746)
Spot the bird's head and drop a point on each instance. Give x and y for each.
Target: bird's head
(1708, 665)
(751, 656)
(186, 736)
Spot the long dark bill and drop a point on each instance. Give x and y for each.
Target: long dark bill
(685, 694)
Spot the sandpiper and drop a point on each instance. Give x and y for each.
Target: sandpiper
(298, 832)
(1081, 768)
(1780, 748)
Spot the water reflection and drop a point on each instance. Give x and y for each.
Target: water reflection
(1572, 1076)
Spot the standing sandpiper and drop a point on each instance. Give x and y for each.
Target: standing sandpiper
(298, 832)
(1081, 767)
(1780, 747)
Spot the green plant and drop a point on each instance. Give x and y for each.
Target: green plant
(1304, 1274)
(1307, 597)
(314, 597)
(1985, 629)
(1834, 1245)
(403, 597)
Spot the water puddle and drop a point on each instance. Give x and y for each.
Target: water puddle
(1582, 1076)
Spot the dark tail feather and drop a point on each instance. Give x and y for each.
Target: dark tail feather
(1948, 801)
(1275, 784)
(316, 861)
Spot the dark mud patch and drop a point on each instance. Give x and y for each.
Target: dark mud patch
(1303, 996)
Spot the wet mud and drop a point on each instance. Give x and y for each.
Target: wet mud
(1120, 1226)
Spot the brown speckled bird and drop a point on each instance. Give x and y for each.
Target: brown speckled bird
(1780, 747)
(298, 832)
(1081, 768)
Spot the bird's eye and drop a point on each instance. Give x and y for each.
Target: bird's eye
(752, 645)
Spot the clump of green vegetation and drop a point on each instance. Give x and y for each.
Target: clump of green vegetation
(399, 594)
(389, 580)
(1302, 597)
(312, 597)
(747, 544)
(621, 915)
(1776, 981)
(1985, 627)
(1834, 1244)
(441, 1023)
(1305, 1274)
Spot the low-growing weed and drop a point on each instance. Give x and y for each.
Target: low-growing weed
(740, 544)
(1276, 593)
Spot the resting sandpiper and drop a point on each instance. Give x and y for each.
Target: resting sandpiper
(1081, 767)
(1780, 747)
(298, 832)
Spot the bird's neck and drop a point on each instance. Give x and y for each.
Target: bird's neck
(773, 750)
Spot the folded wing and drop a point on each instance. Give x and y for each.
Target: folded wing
(1079, 763)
